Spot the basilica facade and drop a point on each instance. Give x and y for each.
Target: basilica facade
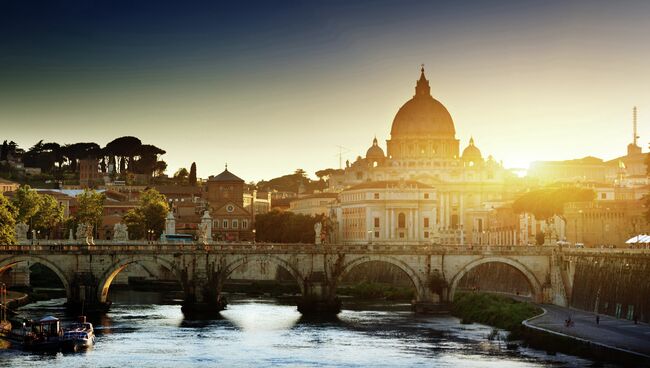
(422, 189)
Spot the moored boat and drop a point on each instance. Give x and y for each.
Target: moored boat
(79, 335)
(44, 334)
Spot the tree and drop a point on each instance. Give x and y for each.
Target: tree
(7, 221)
(285, 227)
(49, 215)
(122, 150)
(147, 158)
(547, 202)
(27, 203)
(79, 151)
(90, 208)
(180, 176)
(192, 176)
(160, 167)
(149, 215)
(4, 151)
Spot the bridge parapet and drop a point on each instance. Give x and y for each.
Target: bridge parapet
(281, 248)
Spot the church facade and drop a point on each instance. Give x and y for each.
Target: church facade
(422, 157)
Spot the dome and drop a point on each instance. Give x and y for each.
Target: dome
(471, 152)
(375, 152)
(423, 115)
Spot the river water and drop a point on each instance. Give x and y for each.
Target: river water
(140, 331)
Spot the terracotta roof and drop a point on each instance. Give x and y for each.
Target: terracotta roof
(226, 176)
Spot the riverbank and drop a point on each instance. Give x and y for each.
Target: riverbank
(518, 317)
(494, 310)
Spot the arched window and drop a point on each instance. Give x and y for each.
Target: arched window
(401, 220)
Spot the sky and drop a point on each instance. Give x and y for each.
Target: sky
(269, 87)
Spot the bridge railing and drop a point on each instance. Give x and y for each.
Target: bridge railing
(221, 247)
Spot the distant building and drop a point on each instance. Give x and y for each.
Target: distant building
(8, 186)
(423, 148)
(386, 211)
(225, 196)
(89, 174)
(313, 204)
(605, 223)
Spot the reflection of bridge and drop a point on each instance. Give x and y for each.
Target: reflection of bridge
(87, 271)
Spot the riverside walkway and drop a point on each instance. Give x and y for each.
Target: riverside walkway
(612, 332)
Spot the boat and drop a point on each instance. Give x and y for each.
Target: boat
(78, 336)
(42, 335)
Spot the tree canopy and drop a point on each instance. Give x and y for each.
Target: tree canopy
(292, 183)
(90, 207)
(547, 202)
(285, 227)
(7, 221)
(149, 215)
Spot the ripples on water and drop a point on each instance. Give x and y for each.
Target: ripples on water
(263, 332)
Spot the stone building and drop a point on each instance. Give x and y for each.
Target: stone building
(423, 148)
(605, 223)
(313, 204)
(89, 174)
(225, 196)
(386, 211)
(8, 186)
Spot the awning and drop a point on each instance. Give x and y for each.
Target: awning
(641, 238)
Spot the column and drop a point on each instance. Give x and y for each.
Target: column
(416, 225)
(386, 224)
(441, 205)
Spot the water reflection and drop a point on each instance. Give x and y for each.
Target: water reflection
(258, 332)
(258, 317)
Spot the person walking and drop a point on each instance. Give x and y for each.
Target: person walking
(597, 319)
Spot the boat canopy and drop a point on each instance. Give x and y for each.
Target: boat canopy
(48, 319)
(641, 238)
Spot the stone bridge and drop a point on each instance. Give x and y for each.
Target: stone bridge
(87, 271)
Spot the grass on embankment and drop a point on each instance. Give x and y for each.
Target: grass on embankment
(494, 310)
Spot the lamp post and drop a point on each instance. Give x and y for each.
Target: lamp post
(254, 239)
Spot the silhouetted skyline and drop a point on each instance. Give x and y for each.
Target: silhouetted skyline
(254, 84)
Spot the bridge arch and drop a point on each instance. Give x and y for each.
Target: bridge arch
(417, 281)
(11, 261)
(109, 275)
(278, 261)
(535, 285)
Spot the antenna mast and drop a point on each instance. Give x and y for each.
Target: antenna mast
(634, 125)
(340, 154)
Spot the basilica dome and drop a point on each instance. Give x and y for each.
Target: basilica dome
(375, 152)
(422, 115)
(471, 152)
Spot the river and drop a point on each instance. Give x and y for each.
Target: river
(142, 331)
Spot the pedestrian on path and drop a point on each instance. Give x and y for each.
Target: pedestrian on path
(597, 319)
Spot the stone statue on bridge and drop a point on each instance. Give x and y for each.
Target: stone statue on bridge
(318, 227)
(85, 231)
(120, 233)
(21, 229)
(205, 228)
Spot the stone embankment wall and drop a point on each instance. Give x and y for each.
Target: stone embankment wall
(614, 285)
(496, 277)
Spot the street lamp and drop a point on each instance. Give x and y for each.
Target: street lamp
(254, 231)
